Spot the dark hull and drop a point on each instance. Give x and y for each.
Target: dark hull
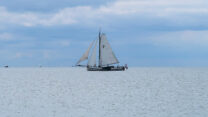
(111, 68)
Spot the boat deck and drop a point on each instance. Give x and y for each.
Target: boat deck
(110, 68)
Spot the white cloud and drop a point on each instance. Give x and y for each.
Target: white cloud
(32, 19)
(6, 37)
(187, 39)
(46, 54)
(57, 43)
(85, 14)
(18, 55)
(64, 43)
(155, 7)
(21, 55)
(181, 39)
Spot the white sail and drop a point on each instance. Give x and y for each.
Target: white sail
(107, 56)
(92, 60)
(85, 55)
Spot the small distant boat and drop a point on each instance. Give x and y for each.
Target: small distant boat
(107, 58)
(6, 66)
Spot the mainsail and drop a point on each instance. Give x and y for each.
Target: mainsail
(107, 56)
(85, 55)
(92, 60)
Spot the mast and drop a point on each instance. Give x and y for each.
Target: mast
(99, 48)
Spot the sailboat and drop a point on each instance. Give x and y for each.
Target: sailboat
(107, 58)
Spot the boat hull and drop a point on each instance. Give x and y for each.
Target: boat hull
(110, 68)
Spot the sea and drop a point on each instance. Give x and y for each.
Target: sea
(76, 92)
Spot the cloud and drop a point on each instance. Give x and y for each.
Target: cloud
(174, 40)
(6, 37)
(175, 11)
(29, 19)
(157, 6)
(46, 54)
(57, 43)
(180, 39)
(19, 55)
(64, 43)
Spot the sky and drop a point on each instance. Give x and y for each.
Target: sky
(143, 33)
